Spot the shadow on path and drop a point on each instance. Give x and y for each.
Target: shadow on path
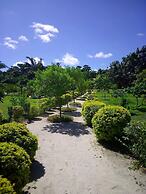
(71, 128)
(37, 171)
(74, 114)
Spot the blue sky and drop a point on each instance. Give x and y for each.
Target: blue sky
(74, 32)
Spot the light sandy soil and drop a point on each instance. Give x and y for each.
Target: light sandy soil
(69, 161)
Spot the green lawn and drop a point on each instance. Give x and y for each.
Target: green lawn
(4, 106)
(108, 99)
(6, 103)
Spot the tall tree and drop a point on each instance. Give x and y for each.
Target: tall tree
(53, 82)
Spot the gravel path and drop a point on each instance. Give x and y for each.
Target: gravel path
(69, 161)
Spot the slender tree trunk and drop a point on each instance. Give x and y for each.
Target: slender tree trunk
(60, 110)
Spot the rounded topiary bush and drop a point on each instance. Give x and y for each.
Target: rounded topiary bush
(19, 134)
(109, 122)
(6, 186)
(89, 108)
(14, 164)
(58, 119)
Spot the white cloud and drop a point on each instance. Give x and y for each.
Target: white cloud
(69, 59)
(18, 62)
(10, 43)
(101, 55)
(140, 34)
(44, 31)
(23, 38)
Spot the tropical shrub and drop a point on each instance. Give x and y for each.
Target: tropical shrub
(109, 122)
(135, 139)
(17, 112)
(14, 164)
(58, 119)
(6, 186)
(18, 133)
(89, 108)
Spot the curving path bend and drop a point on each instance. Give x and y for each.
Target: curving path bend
(69, 161)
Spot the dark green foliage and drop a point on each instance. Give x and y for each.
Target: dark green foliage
(89, 108)
(109, 122)
(1, 116)
(18, 133)
(14, 164)
(141, 108)
(58, 119)
(68, 109)
(6, 186)
(135, 139)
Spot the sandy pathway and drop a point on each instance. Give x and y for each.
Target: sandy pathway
(69, 161)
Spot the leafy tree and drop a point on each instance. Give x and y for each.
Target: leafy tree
(78, 82)
(53, 82)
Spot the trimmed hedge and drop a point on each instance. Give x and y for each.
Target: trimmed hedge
(68, 109)
(57, 119)
(109, 122)
(89, 108)
(14, 164)
(19, 134)
(6, 186)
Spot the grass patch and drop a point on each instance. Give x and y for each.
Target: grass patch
(68, 109)
(58, 119)
(137, 113)
(4, 107)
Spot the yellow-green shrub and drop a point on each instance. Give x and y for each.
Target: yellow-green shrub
(89, 108)
(34, 111)
(6, 186)
(109, 122)
(14, 164)
(18, 133)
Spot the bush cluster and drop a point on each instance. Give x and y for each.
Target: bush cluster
(68, 109)
(6, 186)
(135, 139)
(89, 108)
(14, 164)
(58, 119)
(18, 133)
(109, 122)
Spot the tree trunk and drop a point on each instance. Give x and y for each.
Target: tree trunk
(60, 110)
